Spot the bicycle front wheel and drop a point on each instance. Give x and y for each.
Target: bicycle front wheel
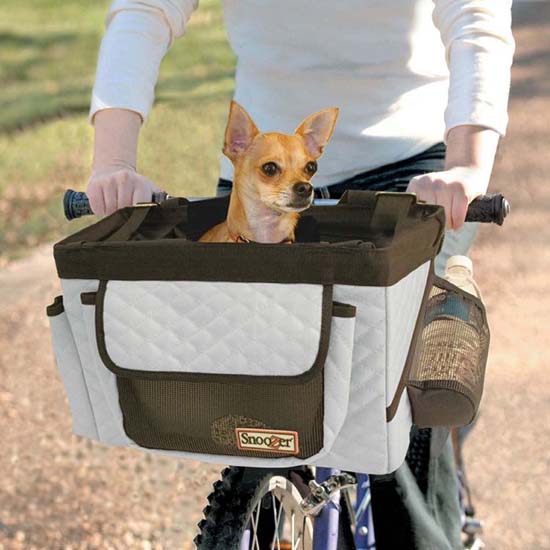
(252, 509)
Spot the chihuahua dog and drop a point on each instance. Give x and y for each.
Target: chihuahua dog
(272, 173)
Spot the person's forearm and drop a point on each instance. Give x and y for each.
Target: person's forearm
(116, 139)
(471, 147)
(139, 33)
(114, 182)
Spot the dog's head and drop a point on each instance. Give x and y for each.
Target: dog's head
(277, 168)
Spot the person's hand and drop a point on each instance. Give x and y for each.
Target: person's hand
(112, 188)
(454, 189)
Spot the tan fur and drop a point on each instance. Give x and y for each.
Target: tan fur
(263, 208)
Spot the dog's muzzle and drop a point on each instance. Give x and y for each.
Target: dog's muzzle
(302, 194)
(302, 190)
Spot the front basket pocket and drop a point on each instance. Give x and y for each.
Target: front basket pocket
(446, 381)
(233, 369)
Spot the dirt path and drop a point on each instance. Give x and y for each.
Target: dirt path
(60, 492)
(508, 453)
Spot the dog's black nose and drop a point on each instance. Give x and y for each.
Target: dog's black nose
(303, 189)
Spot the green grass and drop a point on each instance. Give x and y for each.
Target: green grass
(48, 51)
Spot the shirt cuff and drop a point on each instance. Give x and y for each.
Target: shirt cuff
(130, 103)
(480, 114)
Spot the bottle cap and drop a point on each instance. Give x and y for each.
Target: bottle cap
(460, 261)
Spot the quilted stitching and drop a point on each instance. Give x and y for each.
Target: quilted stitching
(365, 430)
(70, 370)
(110, 416)
(403, 302)
(362, 438)
(233, 328)
(71, 300)
(337, 377)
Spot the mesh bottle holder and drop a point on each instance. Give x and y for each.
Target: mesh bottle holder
(445, 383)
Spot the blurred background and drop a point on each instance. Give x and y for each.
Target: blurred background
(59, 492)
(48, 51)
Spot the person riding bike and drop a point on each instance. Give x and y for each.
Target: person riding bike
(422, 87)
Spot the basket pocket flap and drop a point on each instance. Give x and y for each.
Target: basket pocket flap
(214, 328)
(283, 364)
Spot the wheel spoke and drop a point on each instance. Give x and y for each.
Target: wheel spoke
(275, 528)
(249, 525)
(299, 538)
(277, 519)
(255, 541)
(292, 529)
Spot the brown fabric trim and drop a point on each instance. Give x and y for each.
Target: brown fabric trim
(324, 340)
(88, 298)
(455, 407)
(388, 246)
(98, 231)
(391, 410)
(389, 209)
(56, 307)
(180, 260)
(343, 310)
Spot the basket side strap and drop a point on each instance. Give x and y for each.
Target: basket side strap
(389, 209)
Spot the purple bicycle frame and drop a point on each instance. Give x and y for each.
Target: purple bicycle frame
(325, 527)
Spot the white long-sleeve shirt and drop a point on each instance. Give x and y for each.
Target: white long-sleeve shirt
(402, 72)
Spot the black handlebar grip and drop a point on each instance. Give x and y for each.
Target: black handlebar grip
(76, 203)
(488, 209)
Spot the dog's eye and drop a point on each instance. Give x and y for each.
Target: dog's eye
(270, 168)
(311, 167)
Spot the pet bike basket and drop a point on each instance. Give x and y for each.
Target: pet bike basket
(250, 354)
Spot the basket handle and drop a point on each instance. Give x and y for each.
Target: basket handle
(389, 209)
(131, 225)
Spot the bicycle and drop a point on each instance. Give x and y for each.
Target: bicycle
(329, 506)
(302, 508)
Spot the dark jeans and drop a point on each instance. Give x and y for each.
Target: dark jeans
(416, 508)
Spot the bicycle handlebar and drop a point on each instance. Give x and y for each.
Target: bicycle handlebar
(484, 209)
(76, 203)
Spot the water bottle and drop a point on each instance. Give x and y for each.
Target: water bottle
(451, 339)
(460, 271)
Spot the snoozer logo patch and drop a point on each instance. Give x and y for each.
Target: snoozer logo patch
(270, 441)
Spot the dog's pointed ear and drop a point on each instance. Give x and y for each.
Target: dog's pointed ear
(316, 130)
(240, 131)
